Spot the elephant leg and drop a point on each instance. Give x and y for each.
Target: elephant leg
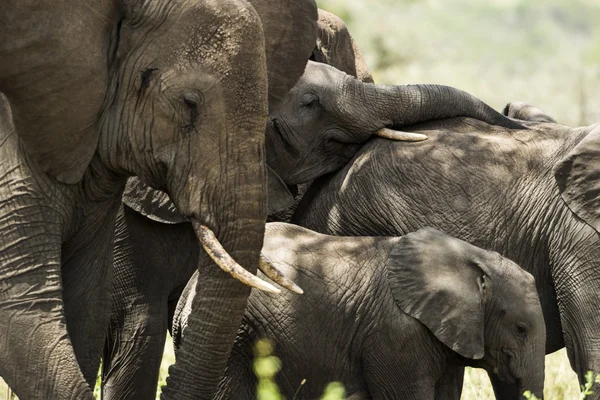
(153, 261)
(37, 358)
(87, 283)
(136, 336)
(579, 299)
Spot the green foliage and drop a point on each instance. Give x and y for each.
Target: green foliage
(586, 389)
(543, 52)
(266, 366)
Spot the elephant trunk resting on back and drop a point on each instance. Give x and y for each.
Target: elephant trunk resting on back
(530, 195)
(393, 318)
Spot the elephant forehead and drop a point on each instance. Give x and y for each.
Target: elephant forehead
(216, 37)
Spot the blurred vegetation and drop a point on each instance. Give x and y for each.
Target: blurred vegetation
(544, 52)
(266, 366)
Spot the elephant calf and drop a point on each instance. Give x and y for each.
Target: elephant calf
(390, 317)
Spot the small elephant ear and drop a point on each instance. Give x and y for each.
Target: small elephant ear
(290, 29)
(152, 203)
(336, 47)
(578, 179)
(438, 280)
(280, 197)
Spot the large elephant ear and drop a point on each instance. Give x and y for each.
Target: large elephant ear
(439, 280)
(154, 204)
(578, 179)
(157, 205)
(54, 72)
(290, 29)
(336, 47)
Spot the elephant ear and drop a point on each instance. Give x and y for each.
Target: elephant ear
(152, 203)
(578, 179)
(439, 280)
(55, 77)
(280, 197)
(157, 206)
(336, 47)
(290, 29)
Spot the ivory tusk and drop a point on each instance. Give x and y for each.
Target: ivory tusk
(277, 276)
(219, 255)
(400, 135)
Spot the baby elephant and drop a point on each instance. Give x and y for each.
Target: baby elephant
(390, 318)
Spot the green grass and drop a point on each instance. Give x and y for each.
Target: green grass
(561, 381)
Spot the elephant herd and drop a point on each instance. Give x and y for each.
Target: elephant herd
(414, 229)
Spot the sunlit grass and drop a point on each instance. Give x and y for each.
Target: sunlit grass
(561, 381)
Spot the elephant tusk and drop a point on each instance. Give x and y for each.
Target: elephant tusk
(400, 135)
(219, 255)
(277, 276)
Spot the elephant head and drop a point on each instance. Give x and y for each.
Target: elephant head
(336, 47)
(328, 115)
(482, 306)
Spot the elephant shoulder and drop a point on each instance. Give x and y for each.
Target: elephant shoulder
(154, 204)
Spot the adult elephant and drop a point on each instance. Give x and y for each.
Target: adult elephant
(155, 252)
(172, 91)
(389, 317)
(530, 195)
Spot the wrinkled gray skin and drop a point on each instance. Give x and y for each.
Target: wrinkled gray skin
(526, 112)
(172, 91)
(530, 195)
(389, 317)
(328, 115)
(153, 256)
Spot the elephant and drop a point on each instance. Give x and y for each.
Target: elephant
(526, 112)
(175, 92)
(154, 257)
(530, 195)
(389, 317)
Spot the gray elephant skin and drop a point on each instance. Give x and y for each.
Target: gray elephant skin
(155, 251)
(390, 318)
(530, 195)
(174, 92)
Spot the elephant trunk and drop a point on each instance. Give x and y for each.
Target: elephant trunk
(532, 376)
(528, 373)
(228, 209)
(219, 303)
(403, 105)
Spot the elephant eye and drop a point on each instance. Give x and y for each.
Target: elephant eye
(521, 329)
(193, 101)
(147, 77)
(309, 100)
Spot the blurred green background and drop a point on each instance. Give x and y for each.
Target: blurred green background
(545, 52)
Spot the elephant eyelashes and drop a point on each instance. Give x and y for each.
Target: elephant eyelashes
(521, 330)
(192, 101)
(147, 77)
(309, 100)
